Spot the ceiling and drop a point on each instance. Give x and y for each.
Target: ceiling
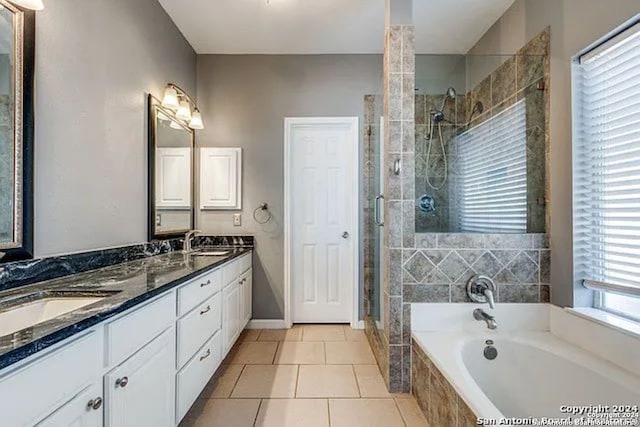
(326, 26)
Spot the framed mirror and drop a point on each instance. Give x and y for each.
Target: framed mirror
(17, 44)
(171, 189)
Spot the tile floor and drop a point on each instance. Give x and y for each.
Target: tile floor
(311, 375)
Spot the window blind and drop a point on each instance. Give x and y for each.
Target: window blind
(492, 174)
(607, 165)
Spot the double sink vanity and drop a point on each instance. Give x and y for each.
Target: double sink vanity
(131, 344)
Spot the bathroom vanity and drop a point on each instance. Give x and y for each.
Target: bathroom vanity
(140, 344)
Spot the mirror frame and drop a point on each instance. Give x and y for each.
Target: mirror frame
(24, 75)
(154, 105)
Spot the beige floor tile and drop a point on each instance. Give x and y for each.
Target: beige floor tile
(370, 381)
(275, 381)
(293, 334)
(411, 413)
(364, 412)
(251, 352)
(356, 335)
(323, 333)
(221, 387)
(293, 413)
(349, 352)
(327, 381)
(249, 335)
(224, 412)
(300, 353)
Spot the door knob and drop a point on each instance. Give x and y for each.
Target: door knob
(95, 404)
(345, 235)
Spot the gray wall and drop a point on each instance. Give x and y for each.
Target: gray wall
(244, 100)
(575, 24)
(95, 62)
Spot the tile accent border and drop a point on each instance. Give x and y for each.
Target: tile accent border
(438, 400)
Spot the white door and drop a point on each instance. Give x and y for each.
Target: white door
(141, 391)
(230, 314)
(220, 178)
(322, 209)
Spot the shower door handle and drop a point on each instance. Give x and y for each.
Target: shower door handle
(376, 215)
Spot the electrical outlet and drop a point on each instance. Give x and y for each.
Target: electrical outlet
(237, 220)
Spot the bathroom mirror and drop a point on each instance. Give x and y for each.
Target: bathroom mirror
(17, 40)
(481, 142)
(171, 153)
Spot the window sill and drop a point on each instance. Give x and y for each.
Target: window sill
(609, 320)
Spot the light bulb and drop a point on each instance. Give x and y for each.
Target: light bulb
(29, 4)
(196, 120)
(184, 111)
(170, 99)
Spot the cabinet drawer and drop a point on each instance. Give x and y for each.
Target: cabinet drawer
(197, 326)
(230, 272)
(245, 262)
(39, 387)
(131, 332)
(191, 380)
(198, 290)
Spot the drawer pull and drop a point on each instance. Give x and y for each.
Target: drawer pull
(207, 354)
(95, 404)
(122, 382)
(206, 310)
(207, 283)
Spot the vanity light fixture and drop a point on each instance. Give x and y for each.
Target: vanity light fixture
(29, 4)
(186, 110)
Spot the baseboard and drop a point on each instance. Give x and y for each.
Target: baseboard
(360, 324)
(266, 324)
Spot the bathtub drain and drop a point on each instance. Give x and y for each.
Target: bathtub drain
(490, 352)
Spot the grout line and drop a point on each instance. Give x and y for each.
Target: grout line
(295, 390)
(236, 382)
(404, 421)
(329, 412)
(275, 354)
(353, 369)
(255, 419)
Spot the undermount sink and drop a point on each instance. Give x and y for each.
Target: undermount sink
(16, 318)
(212, 253)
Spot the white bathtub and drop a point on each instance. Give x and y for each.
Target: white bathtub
(535, 372)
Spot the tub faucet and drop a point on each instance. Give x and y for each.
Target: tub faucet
(480, 314)
(482, 289)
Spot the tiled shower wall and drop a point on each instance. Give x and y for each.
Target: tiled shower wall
(434, 267)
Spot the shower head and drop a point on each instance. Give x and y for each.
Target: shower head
(438, 115)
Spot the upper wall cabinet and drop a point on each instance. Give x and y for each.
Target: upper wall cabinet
(17, 29)
(220, 178)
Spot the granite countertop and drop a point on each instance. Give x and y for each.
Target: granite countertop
(123, 286)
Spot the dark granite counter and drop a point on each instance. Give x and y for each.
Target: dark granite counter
(123, 286)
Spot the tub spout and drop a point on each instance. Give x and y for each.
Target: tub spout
(480, 314)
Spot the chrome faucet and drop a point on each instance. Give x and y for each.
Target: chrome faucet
(482, 289)
(187, 240)
(480, 314)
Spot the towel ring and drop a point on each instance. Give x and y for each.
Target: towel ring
(262, 208)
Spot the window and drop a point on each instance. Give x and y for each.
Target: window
(492, 180)
(607, 172)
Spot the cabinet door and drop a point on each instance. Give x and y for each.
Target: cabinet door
(173, 177)
(248, 289)
(231, 312)
(140, 392)
(84, 410)
(220, 178)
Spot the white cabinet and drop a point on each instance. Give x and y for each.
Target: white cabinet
(220, 178)
(230, 314)
(84, 410)
(140, 392)
(246, 290)
(173, 177)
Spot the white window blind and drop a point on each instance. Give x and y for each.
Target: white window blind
(607, 165)
(492, 174)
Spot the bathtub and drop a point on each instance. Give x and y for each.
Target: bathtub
(535, 374)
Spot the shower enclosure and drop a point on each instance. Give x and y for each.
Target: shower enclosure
(480, 144)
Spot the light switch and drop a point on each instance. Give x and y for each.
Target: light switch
(237, 220)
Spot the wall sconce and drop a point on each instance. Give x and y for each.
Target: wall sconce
(29, 4)
(185, 108)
